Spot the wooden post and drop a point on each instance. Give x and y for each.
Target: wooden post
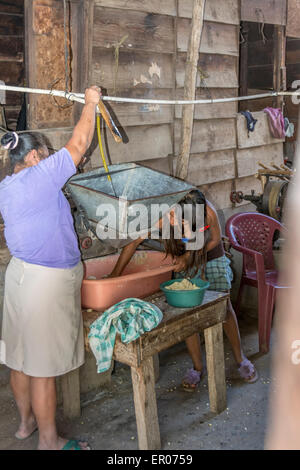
(279, 70)
(244, 65)
(156, 367)
(145, 405)
(297, 148)
(215, 367)
(190, 89)
(71, 394)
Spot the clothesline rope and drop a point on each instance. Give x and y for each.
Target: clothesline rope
(79, 97)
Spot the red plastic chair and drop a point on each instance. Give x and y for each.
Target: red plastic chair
(252, 234)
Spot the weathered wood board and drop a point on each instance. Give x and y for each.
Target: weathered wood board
(215, 368)
(165, 165)
(293, 51)
(266, 11)
(256, 105)
(261, 76)
(211, 111)
(210, 167)
(165, 7)
(136, 69)
(136, 114)
(12, 70)
(12, 73)
(11, 25)
(15, 6)
(293, 15)
(144, 31)
(217, 38)
(12, 48)
(260, 53)
(145, 143)
(57, 137)
(219, 71)
(218, 193)
(247, 159)
(223, 11)
(143, 384)
(261, 135)
(291, 108)
(210, 135)
(204, 168)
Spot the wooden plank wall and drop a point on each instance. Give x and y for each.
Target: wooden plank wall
(260, 72)
(152, 64)
(138, 49)
(12, 55)
(264, 11)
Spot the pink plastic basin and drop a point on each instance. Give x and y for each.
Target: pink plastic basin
(142, 277)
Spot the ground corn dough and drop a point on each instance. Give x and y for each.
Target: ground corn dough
(185, 284)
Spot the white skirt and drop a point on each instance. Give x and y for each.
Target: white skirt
(42, 321)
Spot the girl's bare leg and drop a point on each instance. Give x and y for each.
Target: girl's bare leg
(232, 331)
(194, 349)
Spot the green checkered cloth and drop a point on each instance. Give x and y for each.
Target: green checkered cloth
(131, 318)
(218, 273)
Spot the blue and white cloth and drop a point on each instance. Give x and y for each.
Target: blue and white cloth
(130, 318)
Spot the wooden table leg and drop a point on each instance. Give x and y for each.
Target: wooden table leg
(71, 394)
(145, 405)
(156, 367)
(215, 367)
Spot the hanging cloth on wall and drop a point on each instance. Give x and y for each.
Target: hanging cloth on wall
(289, 128)
(250, 121)
(276, 122)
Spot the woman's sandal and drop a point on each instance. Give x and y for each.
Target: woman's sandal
(72, 444)
(247, 371)
(191, 380)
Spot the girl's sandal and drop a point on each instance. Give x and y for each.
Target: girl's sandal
(191, 380)
(247, 371)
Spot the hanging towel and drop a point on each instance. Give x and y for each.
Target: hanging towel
(276, 122)
(130, 318)
(289, 128)
(250, 121)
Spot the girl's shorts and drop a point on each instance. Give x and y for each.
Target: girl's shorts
(218, 273)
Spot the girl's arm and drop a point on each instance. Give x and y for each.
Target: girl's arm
(215, 229)
(181, 262)
(125, 256)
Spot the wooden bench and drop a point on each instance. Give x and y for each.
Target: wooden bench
(141, 355)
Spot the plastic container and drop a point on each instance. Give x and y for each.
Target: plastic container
(142, 277)
(185, 298)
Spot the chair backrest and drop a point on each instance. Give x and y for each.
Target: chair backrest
(255, 231)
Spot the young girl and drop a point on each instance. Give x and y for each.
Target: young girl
(209, 262)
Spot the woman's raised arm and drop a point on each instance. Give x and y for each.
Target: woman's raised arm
(85, 128)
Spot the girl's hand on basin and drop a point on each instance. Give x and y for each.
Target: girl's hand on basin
(181, 263)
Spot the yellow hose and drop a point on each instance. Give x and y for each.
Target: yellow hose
(101, 147)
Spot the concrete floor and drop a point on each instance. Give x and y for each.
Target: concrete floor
(108, 419)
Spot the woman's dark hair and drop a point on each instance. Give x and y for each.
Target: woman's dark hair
(19, 145)
(175, 247)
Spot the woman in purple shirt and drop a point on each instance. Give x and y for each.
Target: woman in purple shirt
(42, 322)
